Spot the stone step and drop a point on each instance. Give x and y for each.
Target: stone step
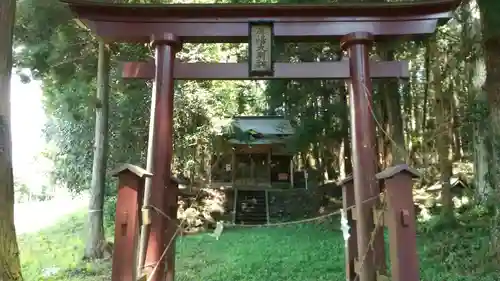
(256, 203)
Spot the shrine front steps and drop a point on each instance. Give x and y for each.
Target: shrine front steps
(251, 207)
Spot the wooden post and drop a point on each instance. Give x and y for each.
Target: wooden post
(269, 168)
(235, 203)
(253, 179)
(171, 206)
(351, 250)
(306, 176)
(130, 188)
(401, 222)
(291, 173)
(268, 219)
(233, 166)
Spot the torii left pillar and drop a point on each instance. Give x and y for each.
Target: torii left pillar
(166, 45)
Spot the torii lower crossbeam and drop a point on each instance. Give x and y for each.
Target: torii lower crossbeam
(239, 71)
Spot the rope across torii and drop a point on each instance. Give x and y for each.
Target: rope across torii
(356, 26)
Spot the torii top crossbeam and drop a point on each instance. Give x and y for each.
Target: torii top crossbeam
(229, 23)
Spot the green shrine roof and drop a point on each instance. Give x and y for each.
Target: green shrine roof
(256, 129)
(266, 125)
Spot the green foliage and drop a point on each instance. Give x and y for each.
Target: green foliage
(489, 12)
(63, 56)
(21, 191)
(461, 246)
(110, 209)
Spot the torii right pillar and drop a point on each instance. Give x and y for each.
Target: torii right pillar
(397, 180)
(162, 110)
(358, 45)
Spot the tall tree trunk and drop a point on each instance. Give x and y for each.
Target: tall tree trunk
(490, 9)
(475, 73)
(457, 125)
(481, 151)
(489, 16)
(383, 143)
(391, 129)
(95, 240)
(397, 142)
(10, 269)
(424, 143)
(328, 143)
(444, 130)
(380, 123)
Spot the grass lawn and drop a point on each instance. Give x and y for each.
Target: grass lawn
(59, 247)
(308, 252)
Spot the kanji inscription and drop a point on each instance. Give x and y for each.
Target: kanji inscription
(261, 45)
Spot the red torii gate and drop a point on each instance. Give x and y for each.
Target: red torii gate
(355, 25)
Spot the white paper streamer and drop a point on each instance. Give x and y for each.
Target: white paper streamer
(344, 225)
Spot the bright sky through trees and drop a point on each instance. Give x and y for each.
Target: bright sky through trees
(28, 119)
